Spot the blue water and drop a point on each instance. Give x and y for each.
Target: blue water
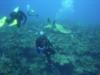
(82, 11)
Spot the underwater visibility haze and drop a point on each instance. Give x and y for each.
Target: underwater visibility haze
(50, 37)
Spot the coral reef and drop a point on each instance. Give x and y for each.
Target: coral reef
(77, 53)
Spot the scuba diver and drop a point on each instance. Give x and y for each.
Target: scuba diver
(18, 17)
(30, 11)
(44, 46)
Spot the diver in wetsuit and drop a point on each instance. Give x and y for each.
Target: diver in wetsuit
(44, 46)
(17, 15)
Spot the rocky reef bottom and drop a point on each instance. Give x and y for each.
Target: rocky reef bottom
(77, 53)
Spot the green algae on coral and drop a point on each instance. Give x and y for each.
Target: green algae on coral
(62, 59)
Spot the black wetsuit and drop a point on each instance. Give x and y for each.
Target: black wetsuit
(20, 16)
(44, 45)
